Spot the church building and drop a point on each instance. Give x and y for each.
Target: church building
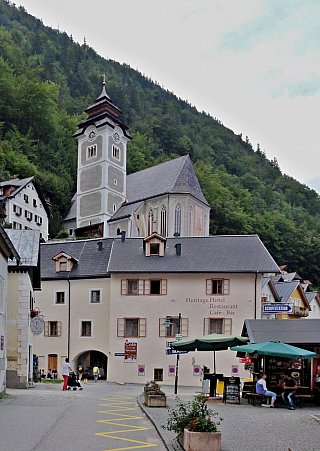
(166, 198)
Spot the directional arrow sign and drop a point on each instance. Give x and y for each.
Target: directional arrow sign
(175, 351)
(277, 308)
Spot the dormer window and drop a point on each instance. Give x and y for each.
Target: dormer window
(63, 266)
(154, 248)
(154, 245)
(64, 262)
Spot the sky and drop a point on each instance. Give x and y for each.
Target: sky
(252, 64)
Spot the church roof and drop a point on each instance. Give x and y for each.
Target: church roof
(174, 176)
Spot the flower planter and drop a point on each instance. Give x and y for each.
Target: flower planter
(201, 441)
(156, 400)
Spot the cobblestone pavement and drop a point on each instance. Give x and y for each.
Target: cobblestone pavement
(249, 428)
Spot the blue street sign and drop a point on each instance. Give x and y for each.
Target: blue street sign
(119, 354)
(277, 308)
(175, 351)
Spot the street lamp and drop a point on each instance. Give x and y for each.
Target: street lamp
(167, 323)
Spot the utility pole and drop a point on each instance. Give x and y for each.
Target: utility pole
(177, 363)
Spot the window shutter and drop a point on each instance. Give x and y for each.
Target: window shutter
(120, 327)
(140, 286)
(143, 327)
(59, 328)
(164, 286)
(123, 286)
(226, 286)
(147, 287)
(209, 286)
(228, 326)
(184, 326)
(206, 324)
(46, 328)
(162, 328)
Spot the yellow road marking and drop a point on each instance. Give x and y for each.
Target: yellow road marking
(119, 404)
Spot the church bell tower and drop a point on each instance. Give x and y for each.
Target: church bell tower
(101, 178)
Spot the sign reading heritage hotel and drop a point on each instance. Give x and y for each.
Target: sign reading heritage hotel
(216, 306)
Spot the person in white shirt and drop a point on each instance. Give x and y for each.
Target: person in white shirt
(66, 368)
(261, 389)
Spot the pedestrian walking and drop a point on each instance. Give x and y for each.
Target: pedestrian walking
(66, 368)
(95, 373)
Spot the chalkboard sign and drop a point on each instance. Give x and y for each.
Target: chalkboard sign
(231, 389)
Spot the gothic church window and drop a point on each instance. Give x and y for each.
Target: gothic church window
(177, 219)
(163, 221)
(150, 222)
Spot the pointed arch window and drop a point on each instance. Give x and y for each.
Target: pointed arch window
(190, 221)
(205, 224)
(177, 219)
(150, 222)
(163, 221)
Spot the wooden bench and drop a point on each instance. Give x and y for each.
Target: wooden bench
(253, 397)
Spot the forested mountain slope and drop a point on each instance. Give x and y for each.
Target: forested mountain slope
(47, 80)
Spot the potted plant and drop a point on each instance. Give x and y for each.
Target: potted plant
(193, 424)
(154, 396)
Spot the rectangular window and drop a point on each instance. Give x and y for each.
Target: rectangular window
(95, 297)
(28, 215)
(86, 328)
(17, 210)
(158, 374)
(218, 286)
(26, 198)
(154, 248)
(171, 330)
(155, 286)
(217, 326)
(116, 152)
(132, 287)
(38, 219)
(92, 151)
(60, 297)
(131, 327)
(52, 329)
(17, 225)
(34, 202)
(63, 266)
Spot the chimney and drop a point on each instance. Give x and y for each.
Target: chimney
(178, 249)
(123, 236)
(100, 245)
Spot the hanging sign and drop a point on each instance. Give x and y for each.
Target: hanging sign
(37, 325)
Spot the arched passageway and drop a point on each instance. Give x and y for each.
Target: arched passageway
(89, 359)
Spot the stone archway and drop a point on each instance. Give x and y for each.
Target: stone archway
(89, 359)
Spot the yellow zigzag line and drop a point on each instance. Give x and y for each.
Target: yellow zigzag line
(125, 417)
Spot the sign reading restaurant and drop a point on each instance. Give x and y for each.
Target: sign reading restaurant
(217, 306)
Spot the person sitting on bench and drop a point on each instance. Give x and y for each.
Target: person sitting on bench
(261, 389)
(290, 386)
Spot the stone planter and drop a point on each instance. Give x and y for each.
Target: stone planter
(201, 441)
(156, 400)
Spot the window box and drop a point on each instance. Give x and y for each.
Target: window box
(18, 214)
(39, 223)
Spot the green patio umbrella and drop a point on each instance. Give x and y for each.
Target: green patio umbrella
(211, 342)
(275, 348)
